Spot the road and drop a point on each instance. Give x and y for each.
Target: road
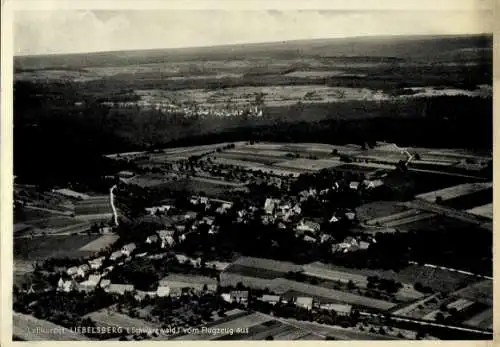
(112, 200)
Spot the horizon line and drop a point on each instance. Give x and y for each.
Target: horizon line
(252, 43)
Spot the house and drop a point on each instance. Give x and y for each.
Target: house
(334, 219)
(373, 184)
(66, 285)
(226, 297)
(308, 226)
(364, 245)
(116, 255)
(325, 238)
(91, 283)
(153, 210)
(72, 271)
(120, 288)
(126, 174)
(239, 296)
(354, 185)
(108, 269)
(162, 291)
(227, 205)
(82, 270)
(304, 302)
(309, 239)
(167, 241)
(175, 292)
(339, 309)
(350, 215)
(190, 215)
(105, 283)
(271, 299)
(96, 263)
(270, 205)
(296, 209)
(152, 239)
(128, 249)
(209, 220)
(180, 228)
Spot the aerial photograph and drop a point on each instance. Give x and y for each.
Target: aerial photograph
(252, 175)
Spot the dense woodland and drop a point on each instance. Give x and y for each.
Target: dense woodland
(56, 141)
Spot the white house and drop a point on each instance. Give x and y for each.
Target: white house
(120, 288)
(271, 299)
(354, 185)
(128, 249)
(116, 255)
(72, 271)
(66, 285)
(270, 205)
(82, 270)
(96, 263)
(163, 291)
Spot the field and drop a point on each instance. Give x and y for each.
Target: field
(253, 272)
(455, 192)
(248, 321)
(479, 198)
(378, 209)
(481, 292)
(110, 318)
(250, 157)
(52, 247)
(93, 206)
(100, 243)
(337, 332)
(277, 329)
(483, 210)
(437, 279)
(482, 320)
(267, 264)
(436, 222)
(321, 271)
(308, 164)
(29, 328)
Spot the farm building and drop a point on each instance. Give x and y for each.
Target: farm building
(197, 283)
(304, 302)
(340, 309)
(239, 296)
(116, 255)
(460, 305)
(96, 263)
(271, 299)
(120, 288)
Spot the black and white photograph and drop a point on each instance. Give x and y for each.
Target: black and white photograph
(252, 174)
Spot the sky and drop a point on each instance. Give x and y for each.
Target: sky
(81, 31)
